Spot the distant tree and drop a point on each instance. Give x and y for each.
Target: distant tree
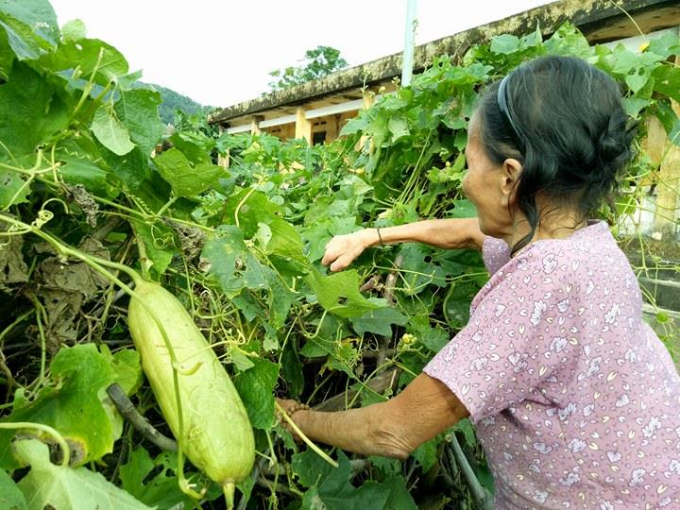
(321, 61)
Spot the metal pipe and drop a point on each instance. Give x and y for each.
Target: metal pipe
(409, 42)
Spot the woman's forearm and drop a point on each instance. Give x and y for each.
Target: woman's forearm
(442, 233)
(393, 428)
(360, 431)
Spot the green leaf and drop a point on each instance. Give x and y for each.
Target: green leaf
(162, 490)
(568, 41)
(6, 56)
(71, 404)
(232, 263)
(127, 369)
(285, 249)
(186, 180)
(399, 496)
(291, 371)
(456, 306)
(137, 110)
(127, 372)
(669, 119)
(73, 31)
(80, 168)
(426, 454)
(462, 209)
(665, 46)
(667, 82)
(330, 487)
(398, 127)
(14, 189)
(339, 294)
(355, 125)
(419, 269)
(433, 338)
(51, 486)
(87, 58)
(468, 431)
(159, 244)
(256, 388)
(505, 44)
(31, 26)
(252, 209)
(30, 113)
(111, 132)
(197, 147)
(379, 322)
(11, 498)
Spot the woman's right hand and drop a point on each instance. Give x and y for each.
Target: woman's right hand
(343, 249)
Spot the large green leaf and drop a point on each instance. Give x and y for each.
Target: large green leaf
(250, 208)
(232, 263)
(11, 497)
(51, 486)
(111, 132)
(137, 109)
(72, 404)
(158, 242)
(284, 248)
(31, 26)
(30, 113)
(81, 168)
(379, 321)
(669, 119)
(89, 59)
(186, 180)
(667, 81)
(14, 189)
(6, 56)
(331, 488)
(418, 269)
(256, 388)
(160, 488)
(339, 294)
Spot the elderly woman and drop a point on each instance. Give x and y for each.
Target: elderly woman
(575, 400)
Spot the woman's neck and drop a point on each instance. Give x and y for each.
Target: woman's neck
(555, 224)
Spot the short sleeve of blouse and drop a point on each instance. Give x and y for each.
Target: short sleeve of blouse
(517, 338)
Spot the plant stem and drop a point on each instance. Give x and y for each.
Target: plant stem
(65, 451)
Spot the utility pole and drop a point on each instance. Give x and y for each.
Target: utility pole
(409, 42)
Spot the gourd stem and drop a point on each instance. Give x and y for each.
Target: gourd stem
(228, 488)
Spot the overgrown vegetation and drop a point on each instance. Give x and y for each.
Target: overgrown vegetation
(241, 249)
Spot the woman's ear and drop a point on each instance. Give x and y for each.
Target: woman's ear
(511, 172)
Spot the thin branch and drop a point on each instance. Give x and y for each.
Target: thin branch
(388, 294)
(128, 411)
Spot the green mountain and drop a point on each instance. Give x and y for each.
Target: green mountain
(175, 101)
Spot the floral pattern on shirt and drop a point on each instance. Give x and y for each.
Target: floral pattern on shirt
(575, 400)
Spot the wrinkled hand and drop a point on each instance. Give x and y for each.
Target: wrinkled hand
(288, 405)
(343, 249)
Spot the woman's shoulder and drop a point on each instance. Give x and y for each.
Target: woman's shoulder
(588, 259)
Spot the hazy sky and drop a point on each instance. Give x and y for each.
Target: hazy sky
(220, 52)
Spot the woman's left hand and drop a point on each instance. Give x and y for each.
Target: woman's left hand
(288, 406)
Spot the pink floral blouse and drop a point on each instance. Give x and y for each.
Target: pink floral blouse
(575, 400)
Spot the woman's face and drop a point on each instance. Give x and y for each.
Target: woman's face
(489, 185)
